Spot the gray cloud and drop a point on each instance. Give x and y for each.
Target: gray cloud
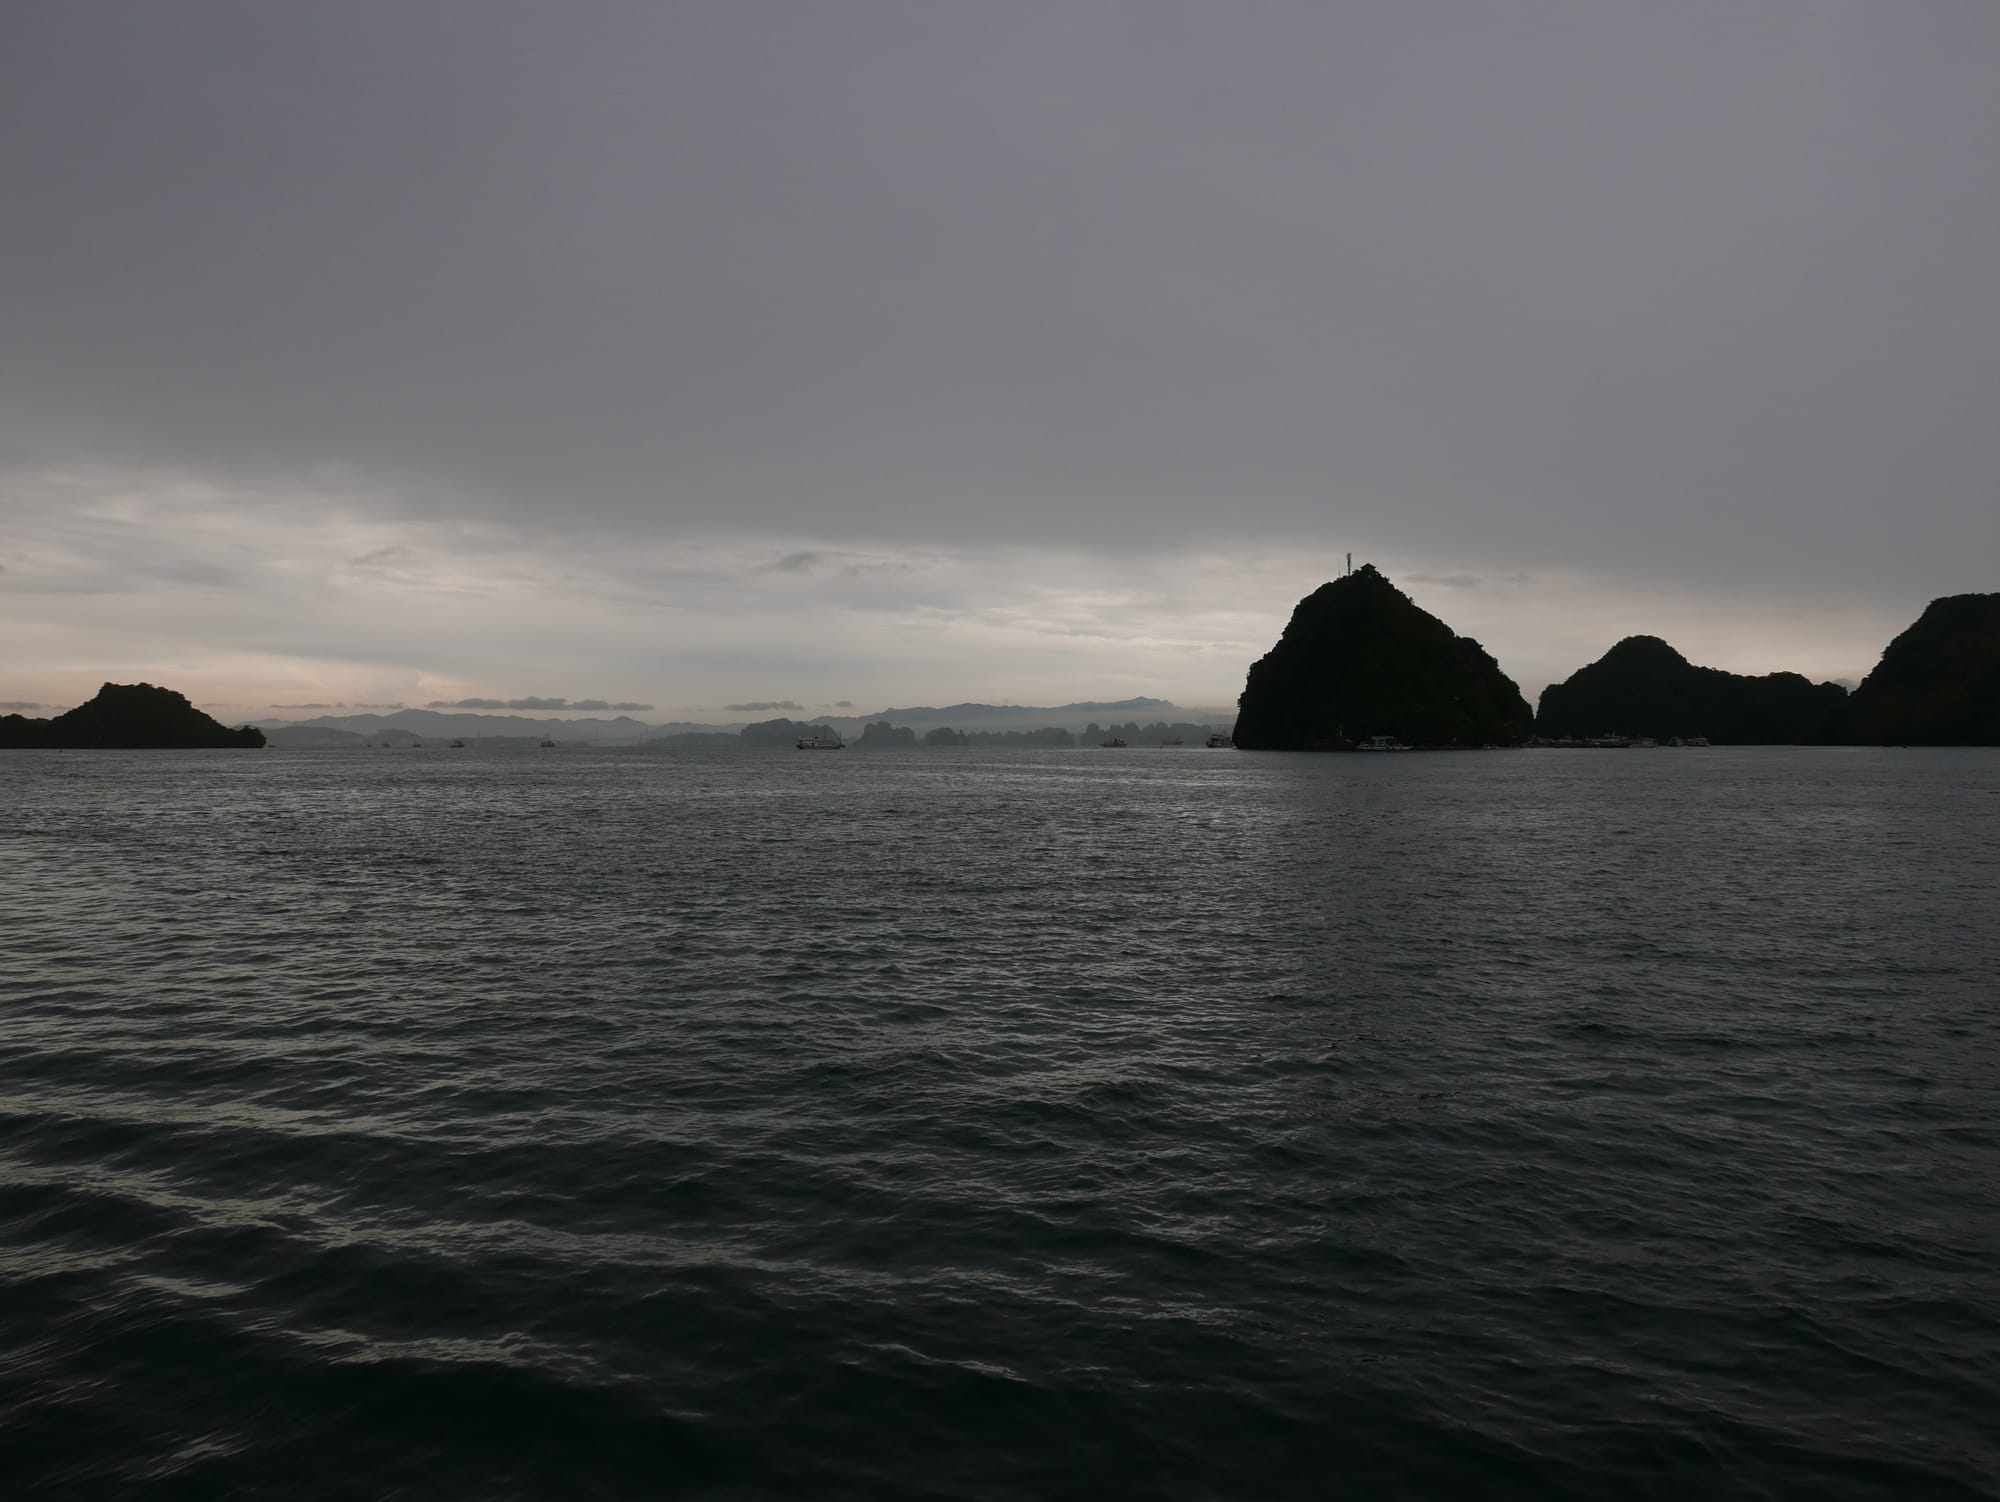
(19, 706)
(758, 706)
(1448, 581)
(534, 701)
(435, 313)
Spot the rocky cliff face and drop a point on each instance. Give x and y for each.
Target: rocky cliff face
(129, 717)
(1360, 659)
(1938, 683)
(1642, 686)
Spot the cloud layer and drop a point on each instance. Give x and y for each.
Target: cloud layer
(533, 702)
(395, 352)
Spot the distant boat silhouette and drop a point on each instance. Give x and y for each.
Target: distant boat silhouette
(1114, 742)
(1220, 742)
(822, 743)
(457, 745)
(548, 745)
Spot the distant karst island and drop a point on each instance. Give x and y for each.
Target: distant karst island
(128, 717)
(1360, 662)
(1359, 666)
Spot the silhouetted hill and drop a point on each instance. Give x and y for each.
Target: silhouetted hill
(779, 732)
(882, 736)
(1360, 658)
(129, 717)
(1938, 683)
(1644, 687)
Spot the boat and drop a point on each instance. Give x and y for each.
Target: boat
(1610, 742)
(1382, 743)
(548, 745)
(1113, 743)
(457, 745)
(1219, 742)
(822, 743)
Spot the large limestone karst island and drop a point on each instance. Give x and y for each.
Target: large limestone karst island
(1360, 659)
(128, 717)
(1644, 687)
(1938, 683)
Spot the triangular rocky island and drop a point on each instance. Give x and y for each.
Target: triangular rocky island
(128, 717)
(1361, 660)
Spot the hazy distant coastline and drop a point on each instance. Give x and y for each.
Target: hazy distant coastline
(979, 723)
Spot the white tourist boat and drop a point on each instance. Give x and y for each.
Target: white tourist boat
(822, 743)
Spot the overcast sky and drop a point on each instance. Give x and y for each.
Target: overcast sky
(696, 354)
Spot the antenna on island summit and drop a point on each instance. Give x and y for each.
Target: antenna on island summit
(1350, 565)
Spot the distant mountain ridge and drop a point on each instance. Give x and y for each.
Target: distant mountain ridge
(624, 729)
(468, 724)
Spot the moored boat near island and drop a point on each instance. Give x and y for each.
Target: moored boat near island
(828, 742)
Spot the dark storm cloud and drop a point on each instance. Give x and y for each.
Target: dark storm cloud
(758, 706)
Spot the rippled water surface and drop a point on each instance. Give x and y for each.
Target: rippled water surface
(1168, 1123)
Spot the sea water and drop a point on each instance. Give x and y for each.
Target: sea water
(957, 1124)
